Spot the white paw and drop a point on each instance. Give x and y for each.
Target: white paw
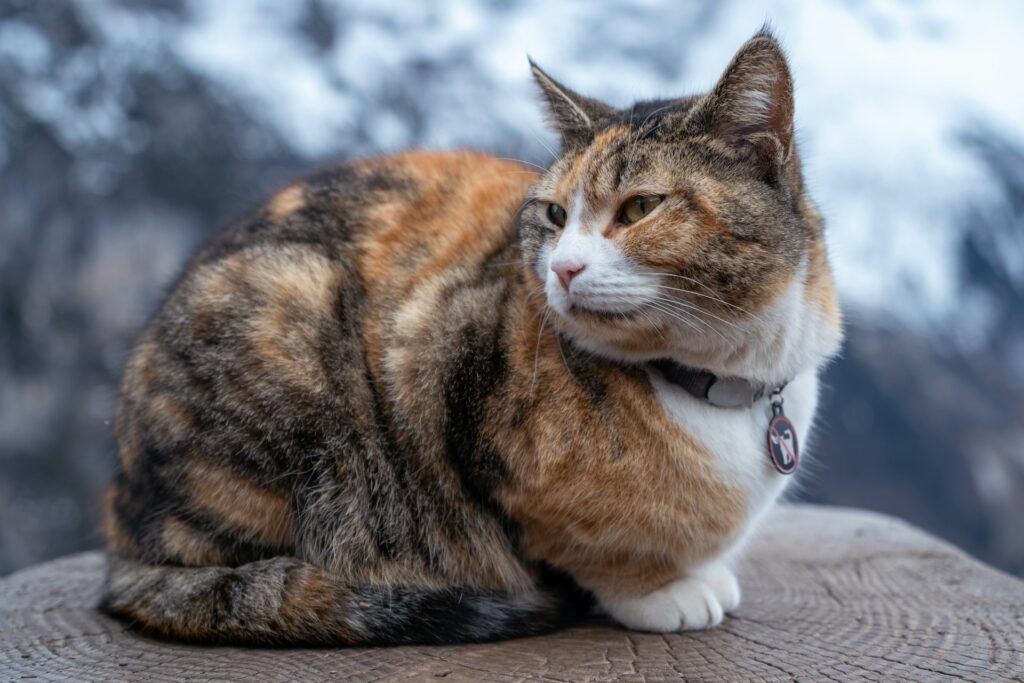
(723, 584)
(695, 602)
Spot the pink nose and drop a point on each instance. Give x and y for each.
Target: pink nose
(566, 270)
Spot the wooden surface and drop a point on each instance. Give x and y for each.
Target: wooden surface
(829, 594)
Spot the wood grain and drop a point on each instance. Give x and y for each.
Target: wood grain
(830, 594)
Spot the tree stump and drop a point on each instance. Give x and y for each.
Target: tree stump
(829, 594)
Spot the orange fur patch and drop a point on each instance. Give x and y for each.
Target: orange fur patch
(590, 490)
(464, 204)
(584, 172)
(311, 598)
(188, 545)
(297, 288)
(259, 514)
(820, 288)
(286, 202)
(462, 212)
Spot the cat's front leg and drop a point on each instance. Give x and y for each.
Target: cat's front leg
(696, 601)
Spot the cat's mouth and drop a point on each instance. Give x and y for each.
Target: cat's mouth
(580, 310)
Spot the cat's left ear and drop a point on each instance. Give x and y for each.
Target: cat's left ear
(577, 118)
(751, 106)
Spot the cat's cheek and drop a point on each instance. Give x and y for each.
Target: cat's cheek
(542, 265)
(557, 298)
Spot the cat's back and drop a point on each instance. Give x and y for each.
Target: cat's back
(263, 349)
(391, 212)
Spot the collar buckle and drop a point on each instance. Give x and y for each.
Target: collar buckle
(733, 392)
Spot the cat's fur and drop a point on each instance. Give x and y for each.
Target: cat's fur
(371, 413)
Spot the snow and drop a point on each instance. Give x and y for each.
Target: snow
(250, 48)
(886, 92)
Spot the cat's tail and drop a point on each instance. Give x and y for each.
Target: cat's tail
(286, 601)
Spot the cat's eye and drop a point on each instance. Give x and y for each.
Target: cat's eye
(636, 208)
(556, 215)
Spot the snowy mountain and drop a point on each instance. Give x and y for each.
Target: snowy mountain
(130, 131)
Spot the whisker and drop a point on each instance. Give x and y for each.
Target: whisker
(688, 321)
(711, 296)
(681, 277)
(535, 292)
(656, 327)
(527, 163)
(694, 314)
(602, 288)
(544, 144)
(696, 309)
(671, 304)
(679, 313)
(558, 339)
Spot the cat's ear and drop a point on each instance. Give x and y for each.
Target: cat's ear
(577, 118)
(751, 106)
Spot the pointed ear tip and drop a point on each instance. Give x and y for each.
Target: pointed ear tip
(766, 30)
(538, 74)
(763, 47)
(766, 37)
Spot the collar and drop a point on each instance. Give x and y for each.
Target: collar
(723, 392)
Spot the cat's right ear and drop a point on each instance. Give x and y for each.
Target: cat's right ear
(751, 106)
(577, 118)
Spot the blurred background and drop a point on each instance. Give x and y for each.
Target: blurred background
(130, 131)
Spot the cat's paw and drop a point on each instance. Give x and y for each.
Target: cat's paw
(723, 584)
(695, 602)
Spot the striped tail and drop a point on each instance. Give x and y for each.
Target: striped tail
(283, 601)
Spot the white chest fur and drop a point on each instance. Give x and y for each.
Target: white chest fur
(737, 437)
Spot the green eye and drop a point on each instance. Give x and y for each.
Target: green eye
(636, 208)
(556, 215)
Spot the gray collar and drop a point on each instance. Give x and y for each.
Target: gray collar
(724, 392)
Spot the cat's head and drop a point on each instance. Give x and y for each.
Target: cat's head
(681, 227)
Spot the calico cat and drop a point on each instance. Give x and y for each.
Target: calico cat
(437, 397)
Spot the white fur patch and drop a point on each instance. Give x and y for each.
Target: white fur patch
(608, 282)
(737, 438)
(788, 341)
(697, 601)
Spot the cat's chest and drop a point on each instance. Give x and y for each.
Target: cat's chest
(737, 438)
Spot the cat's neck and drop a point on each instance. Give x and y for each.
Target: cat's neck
(798, 331)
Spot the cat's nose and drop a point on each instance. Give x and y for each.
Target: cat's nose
(566, 269)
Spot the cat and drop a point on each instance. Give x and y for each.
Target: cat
(438, 397)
